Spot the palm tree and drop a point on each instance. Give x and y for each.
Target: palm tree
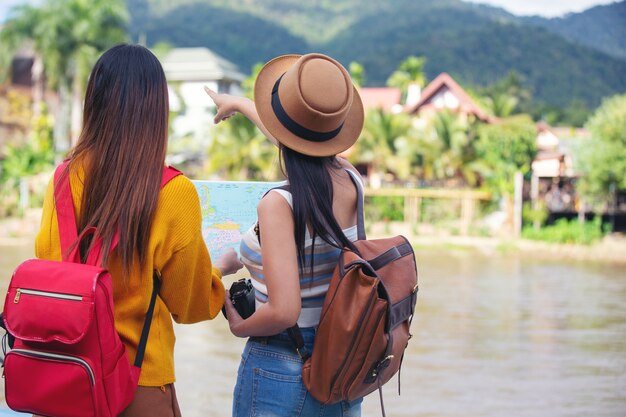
(410, 72)
(501, 105)
(239, 151)
(505, 96)
(454, 145)
(68, 36)
(357, 73)
(385, 144)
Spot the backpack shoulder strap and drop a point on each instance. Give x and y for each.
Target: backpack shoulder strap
(64, 207)
(169, 173)
(360, 217)
(66, 216)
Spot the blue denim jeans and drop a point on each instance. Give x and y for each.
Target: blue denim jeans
(269, 382)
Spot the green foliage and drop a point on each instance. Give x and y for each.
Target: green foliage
(240, 151)
(24, 160)
(31, 157)
(477, 49)
(357, 73)
(67, 34)
(384, 209)
(410, 71)
(385, 143)
(247, 85)
(475, 44)
(538, 215)
(506, 96)
(439, 211)
(454, 151)
(564, 231)
(236, 35)
(601, 27)
(505, 148)
(602, 162)
(575, 114)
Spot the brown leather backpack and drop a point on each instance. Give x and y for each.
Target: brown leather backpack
(365, 320)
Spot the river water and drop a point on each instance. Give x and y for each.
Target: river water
(494, 335)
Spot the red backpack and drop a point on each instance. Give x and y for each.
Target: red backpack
(67, 359)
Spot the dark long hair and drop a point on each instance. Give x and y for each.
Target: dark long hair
(311, 187)
(122, 147)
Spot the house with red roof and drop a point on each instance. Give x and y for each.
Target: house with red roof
(443, 93)
(383, 98)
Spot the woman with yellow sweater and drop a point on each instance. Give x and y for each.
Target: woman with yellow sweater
(115, 175)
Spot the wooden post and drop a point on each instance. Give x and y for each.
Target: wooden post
(517, 207)
(23, 205)
(467, 213)
(412, 207)
(581, 211)
(534, 196)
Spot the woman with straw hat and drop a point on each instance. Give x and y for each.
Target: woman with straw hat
(309, 108)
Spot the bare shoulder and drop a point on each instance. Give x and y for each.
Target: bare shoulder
(275, 219)
(347, 165)
(273, 204)
(344, 163)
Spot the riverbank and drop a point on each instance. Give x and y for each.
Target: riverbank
(17, 231)
(611, 249)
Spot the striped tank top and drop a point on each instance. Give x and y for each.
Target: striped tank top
(313, 287)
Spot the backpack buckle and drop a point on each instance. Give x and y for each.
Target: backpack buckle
(377, 368)
(303, 353)
(385, 362)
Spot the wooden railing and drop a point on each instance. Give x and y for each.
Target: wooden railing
(413, 200)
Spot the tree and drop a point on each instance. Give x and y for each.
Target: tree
(454, 147)
(410, 71)
(503, 149)
(602, 162)
(385, 144)
(506, 96)
(68, 36)
(239, 150)
(247, 85)
(357, 73)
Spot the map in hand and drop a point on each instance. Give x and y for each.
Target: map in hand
(228, 211)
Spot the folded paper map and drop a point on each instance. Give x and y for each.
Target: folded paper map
(228, 210)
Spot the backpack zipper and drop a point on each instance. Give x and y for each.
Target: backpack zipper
(48, 294)
(59, 357)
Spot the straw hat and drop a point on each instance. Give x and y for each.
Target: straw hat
(308, 103)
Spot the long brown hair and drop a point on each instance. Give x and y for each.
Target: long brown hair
(122, 147)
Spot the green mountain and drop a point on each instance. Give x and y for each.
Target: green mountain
(240, 37)
(476, 44)
(478, 50)
(601, 27)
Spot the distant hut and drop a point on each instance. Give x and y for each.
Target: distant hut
(443, 93)
(188, 70)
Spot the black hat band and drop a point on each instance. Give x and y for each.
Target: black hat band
(293, 126)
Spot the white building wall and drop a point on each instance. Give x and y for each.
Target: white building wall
(444, 99)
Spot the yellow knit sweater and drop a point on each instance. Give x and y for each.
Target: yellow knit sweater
(191, 289)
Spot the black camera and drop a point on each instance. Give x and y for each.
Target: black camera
(242, 297)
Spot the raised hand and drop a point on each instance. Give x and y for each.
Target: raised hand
(226, 104)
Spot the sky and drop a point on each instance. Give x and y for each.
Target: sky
(546, 8)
